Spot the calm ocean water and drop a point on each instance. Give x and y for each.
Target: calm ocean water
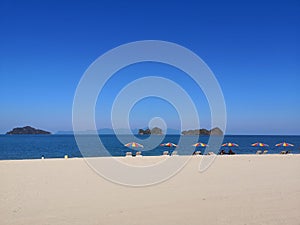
(56, 146)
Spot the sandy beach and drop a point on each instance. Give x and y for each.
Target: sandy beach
(239, 189)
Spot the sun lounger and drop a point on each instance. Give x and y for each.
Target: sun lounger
(174, 153)
(128, 154)
(138, 154)
(259, 152)
(231, 152)
(197, 153)
(265, 151)
(211, 153)
(222, 152)
(165, 153)
(283, 152)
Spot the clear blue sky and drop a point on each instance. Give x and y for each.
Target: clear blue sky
(251, 46)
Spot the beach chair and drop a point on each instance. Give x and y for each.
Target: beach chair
(231, 152)
(128, 154)
(138, 154)
(265, 151)
(197, 153)
(165, 153)
(259, 152)
(174, 153)
(222, 152)
(210, 153)
(283, 152)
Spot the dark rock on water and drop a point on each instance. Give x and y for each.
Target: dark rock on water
(146, 132)
(196, 132)
(155, 131)
(27, 130)
(205, 132)
(214, 131)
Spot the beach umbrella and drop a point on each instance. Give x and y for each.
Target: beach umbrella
(134, 145)
(200, 144)
(229, 144)
(259, 144)
(284, 144)
(169, 144)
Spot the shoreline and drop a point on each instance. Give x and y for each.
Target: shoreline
(160, 156)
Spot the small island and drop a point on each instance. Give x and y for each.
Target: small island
(26, 130)
(155, 131)
(205, 132)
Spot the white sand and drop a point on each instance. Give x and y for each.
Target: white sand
(240, 189)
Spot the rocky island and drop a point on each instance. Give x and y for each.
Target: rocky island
(155, 131)
(27, 130)
(214, 131)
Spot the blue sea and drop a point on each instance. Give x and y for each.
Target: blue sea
(56, 146)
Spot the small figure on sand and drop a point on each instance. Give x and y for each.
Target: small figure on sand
(231, 152)
(222, 152)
